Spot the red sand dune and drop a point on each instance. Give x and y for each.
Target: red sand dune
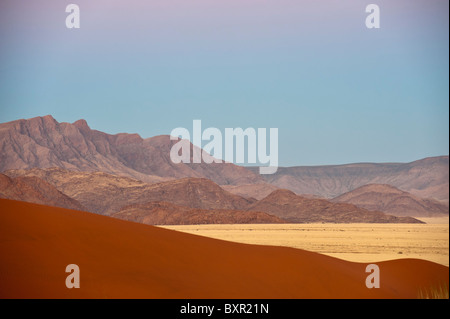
(120, 259)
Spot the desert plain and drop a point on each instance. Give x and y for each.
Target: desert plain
(366, 243)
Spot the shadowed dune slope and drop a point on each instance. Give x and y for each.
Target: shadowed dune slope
(120, 259)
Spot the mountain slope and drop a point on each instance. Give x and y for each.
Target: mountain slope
(392, 201)
(298, 209)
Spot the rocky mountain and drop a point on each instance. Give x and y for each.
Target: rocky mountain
(391, 200)
(42, 142)
(298, 209)
(426, 178)
(105, 194)
(35, 190)
(163, 213)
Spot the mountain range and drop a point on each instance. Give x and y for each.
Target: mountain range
(72, 166)
(181, 201)
(426, 178)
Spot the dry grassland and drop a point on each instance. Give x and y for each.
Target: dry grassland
(354, 242)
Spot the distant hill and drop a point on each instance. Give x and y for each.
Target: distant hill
(162, 213)
(109, 194)
(35, 190)
(298, 209)
(392, 201)
(106, 194)
(426, 178)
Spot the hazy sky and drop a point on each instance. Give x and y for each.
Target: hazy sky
(337, 91)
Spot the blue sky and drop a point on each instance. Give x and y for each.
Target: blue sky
(337, 91)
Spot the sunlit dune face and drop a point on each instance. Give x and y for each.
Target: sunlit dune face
(119, 259)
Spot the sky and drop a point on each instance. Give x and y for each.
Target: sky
(337, 91)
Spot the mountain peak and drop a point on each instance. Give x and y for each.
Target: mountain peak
(81, 124)
(282, 194)
(125, 138)
(47, 121)
(48, 117)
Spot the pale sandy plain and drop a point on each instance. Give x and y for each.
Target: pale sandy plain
(353, 242)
